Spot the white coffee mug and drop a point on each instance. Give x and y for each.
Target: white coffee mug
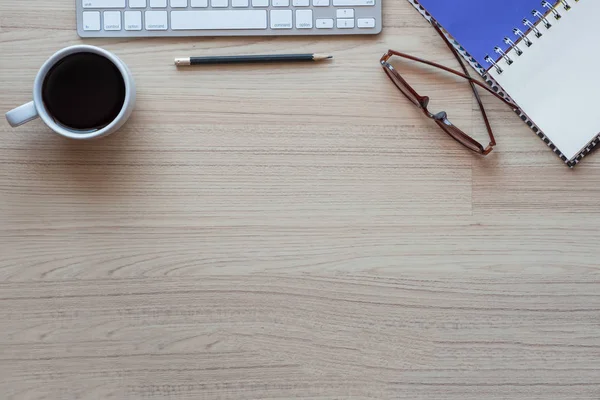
(36, 108)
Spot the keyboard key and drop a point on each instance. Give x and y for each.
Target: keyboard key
(112, 20)
(301, 3)
(199, 3)
(179, 3)
(103, 3)
(353, 3)
(222, 19)
(281, 19)
(156, 21)
(260, 3)
(345, 13)
(281, 3)
(219, 3)
(345, 23)
(158, 3)
(324, 23)
(137, 4)
(320, 3)
(304, 19)
(133, 20)
(366, 22)
(91, 21)
(239, 3)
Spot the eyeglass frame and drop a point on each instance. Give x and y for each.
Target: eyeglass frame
(441, 118)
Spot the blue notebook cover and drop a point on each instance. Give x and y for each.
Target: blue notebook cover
(481, 25)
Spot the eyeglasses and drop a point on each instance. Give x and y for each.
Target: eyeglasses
(441, 118)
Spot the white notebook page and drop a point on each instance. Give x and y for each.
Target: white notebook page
(556, 81)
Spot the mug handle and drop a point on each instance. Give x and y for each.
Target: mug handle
(22, 115)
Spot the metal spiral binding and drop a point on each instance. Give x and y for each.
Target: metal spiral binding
(554, 9)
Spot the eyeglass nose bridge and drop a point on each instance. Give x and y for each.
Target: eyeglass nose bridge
(442, 116)
(424, 101)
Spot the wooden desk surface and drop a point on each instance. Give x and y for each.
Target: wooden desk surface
(290, 231)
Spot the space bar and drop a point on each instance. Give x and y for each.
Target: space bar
(215, 20)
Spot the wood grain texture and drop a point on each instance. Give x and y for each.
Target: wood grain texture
(289, 231)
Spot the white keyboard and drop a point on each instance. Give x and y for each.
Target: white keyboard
(143, 18)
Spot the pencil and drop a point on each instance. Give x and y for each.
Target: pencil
(275, 58)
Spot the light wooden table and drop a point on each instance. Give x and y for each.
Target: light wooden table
(290, 231)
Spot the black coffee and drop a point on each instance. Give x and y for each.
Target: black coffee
(84, 91)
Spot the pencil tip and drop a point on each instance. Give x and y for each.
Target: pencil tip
(320, 57)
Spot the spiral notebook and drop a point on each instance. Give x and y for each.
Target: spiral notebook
(543, 56)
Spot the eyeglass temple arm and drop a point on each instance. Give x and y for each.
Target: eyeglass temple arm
(438, 28)
(472, 82)
(486, 120)
(420, 60)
